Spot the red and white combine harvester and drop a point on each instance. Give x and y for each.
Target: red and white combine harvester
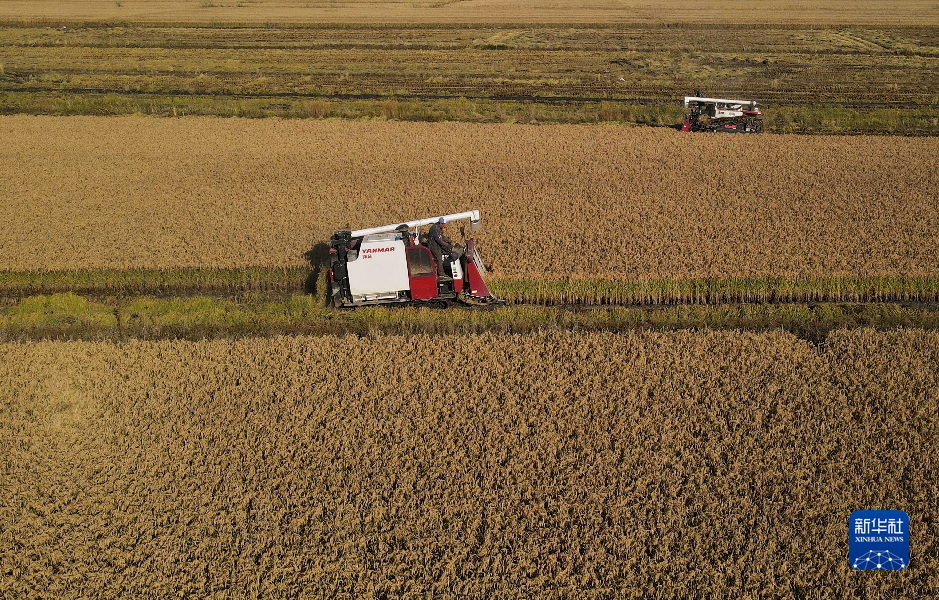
(391, 265)
(722, 116)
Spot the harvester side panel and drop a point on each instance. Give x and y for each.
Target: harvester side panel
(380, 269)
(423, 274)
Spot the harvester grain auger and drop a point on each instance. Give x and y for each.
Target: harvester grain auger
(722, 116)
(390, 265)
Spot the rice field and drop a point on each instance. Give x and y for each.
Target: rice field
(160, 437)
(809, 79)
(556, 464)
(582, 202)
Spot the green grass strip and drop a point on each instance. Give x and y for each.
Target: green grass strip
(801, 119)
(590, 292)
(603, 292)
(69, 316)
(175, 281)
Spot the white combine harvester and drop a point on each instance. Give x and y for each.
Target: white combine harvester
(722, 115)
(389, 265)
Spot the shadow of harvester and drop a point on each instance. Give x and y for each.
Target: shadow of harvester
(318, 259)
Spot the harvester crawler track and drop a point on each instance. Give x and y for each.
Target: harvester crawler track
(730, 125)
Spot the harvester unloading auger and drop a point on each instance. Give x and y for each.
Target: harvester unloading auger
(390, 265)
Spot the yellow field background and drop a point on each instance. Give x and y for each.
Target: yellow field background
(684, 464)
(880, 12)
(557, 201)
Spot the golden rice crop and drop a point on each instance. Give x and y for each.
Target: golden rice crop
(674, 465)
(557, 201)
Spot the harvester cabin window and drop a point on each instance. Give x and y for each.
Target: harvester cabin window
(419, 262)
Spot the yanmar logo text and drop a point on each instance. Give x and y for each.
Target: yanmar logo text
(368, 252)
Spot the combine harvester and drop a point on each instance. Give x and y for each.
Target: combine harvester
(722, 116)
(389, 265)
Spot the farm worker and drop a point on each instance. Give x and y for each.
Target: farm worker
(438, 243)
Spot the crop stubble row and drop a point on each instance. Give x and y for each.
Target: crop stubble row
(906, 12)
(557, 201)
(309, 65)
(691, 464)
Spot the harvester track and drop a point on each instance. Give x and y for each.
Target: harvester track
(258, 284)
(71, 317)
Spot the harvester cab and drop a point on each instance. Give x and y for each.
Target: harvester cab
(722, 116)
(391, 265)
